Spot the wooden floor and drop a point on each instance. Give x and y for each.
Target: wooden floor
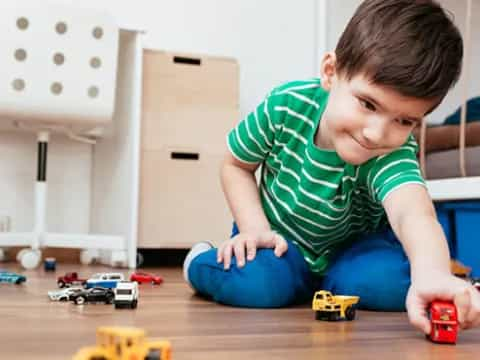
(32, 327)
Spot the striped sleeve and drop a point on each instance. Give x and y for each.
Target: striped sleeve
(394, 170)
(253, 138)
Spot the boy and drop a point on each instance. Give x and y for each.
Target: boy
(338, 161)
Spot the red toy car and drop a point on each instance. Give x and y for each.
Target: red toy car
(443, 321)
(141, 277)
(69, 279)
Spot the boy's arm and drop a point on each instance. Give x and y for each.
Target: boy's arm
(412, 216)
(241, 191)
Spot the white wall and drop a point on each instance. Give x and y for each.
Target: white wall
(274, 41)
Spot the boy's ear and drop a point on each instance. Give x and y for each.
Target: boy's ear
(328, 70)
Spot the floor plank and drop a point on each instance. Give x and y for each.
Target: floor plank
(34, 327)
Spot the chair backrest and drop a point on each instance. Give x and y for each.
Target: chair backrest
(58, 63)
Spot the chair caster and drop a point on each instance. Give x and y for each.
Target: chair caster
(30, 259)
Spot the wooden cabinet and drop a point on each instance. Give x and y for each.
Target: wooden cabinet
(190, 102)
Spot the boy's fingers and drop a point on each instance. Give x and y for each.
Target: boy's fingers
(468, 307)
(474, 314)
(462, 302)
(220, 250)
(251, 249)
(281, 245)
(266, 240)
(420, 320)
(227, 256)
(239, 251)
(417, 314)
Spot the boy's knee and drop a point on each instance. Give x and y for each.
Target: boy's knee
(265, 282)
(381, 279)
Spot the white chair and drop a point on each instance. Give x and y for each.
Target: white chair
(59, 66)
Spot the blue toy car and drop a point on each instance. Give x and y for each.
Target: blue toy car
(104, 280)
(10, 277)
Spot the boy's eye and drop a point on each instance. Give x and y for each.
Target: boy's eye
(367, 105)
(405, 122)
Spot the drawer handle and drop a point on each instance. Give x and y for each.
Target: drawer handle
(184, 155)
(186, 60)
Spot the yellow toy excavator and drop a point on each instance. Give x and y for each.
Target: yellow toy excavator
(124, 343)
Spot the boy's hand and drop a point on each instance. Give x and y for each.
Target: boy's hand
(428, 287)
(249, 242)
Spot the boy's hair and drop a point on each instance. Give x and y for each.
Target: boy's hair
(411, 46)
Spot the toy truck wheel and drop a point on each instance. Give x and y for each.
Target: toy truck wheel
(321, 315)
(61, 284)
(153, 355)
(134, 304)
(350, 313)
(80, 300)
(333, 316)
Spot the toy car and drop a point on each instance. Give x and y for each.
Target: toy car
(126, 294)
(142, 277)
(105, 280)
(333, 308)
(443, 321)
(13, 278)
(70, 279)
(93, 295)
(117, 343)
(63, 294)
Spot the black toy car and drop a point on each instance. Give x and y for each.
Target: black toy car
(95, 295)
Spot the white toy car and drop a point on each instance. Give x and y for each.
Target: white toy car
(126, 294)
(63, 294)
(105, 280)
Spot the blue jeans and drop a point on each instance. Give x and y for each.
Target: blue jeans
(375, 268)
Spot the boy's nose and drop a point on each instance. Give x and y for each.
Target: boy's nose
(374, 133)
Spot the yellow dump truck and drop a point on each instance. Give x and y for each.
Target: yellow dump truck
(333, 308)
(124, 343)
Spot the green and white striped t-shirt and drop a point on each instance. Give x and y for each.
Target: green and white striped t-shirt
(310, 195)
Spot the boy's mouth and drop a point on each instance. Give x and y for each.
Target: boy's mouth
(363, 145)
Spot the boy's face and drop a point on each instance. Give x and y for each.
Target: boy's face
(363, 120)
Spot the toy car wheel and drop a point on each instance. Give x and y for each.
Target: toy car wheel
(63, 298)
(134, 303)
(61, 284)
(153, 355)
(350, 313)
(19, 281)
(319, 315)
(80, 300)
(109, 300)
(333, 316)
